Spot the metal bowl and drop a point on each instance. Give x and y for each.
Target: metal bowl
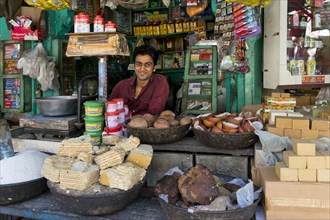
(176, 212)
(225, 140)
(57, 105)
(96, 203)
(18, 192)
(159, 135)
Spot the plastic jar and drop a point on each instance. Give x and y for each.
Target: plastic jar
(163, 27)
(95, 136)
(111, 106)
(86, 23)
(110, 27)
(118, 131)
(170, 27)
(128, 116)
(156, 28)
(94, 124)
(121, 118)
(120, 103)
(126, 109)
(179, 26)
(149, 28)
(112, 119)
(93, 108)
(78, 23)
(98, 24)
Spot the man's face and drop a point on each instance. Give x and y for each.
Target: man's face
(144, 67)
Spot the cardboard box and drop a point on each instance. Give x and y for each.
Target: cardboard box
(283, 122)
(303, 100)
(320, 124)
(276, 95)
(272, 129)
(296, 197)
(300, 123)
(285, 95)
(304, 214)
(38, 19)
(309, 134)
(275, 113)
(292, 133)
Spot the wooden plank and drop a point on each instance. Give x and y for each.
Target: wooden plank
(162, 162)
(65, 123)
(46, 207)
(228, 165)
(190, 144)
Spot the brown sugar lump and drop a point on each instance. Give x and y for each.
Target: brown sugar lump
(284, 173)
(300, 123)
(320, 124)
(141, 156)
(83, 156)
(292, 133)
(110, 158)
(326, 155)
(316, 162)
(283, 122)
(323, 175)
(307, 175)
(52, 166)
(123, 176)
(294, 161)
(79, 177)
(309, 134)
(128, 144)
(303, 147)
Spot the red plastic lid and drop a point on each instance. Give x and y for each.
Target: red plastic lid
(111, 102)
(116, 113)
(115, 129)
(118, 99)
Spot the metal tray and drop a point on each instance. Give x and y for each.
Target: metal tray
(18, 192)
(159, 135)
(97, 203)
(225, 140)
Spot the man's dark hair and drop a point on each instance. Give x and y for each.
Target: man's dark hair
(146, 50)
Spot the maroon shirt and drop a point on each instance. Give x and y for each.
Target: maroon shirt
(152, 98)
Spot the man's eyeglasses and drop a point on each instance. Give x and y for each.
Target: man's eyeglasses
(146, 65)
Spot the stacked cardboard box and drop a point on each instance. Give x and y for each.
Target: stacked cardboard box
(299, 127)
(293, 200)
(304, 163)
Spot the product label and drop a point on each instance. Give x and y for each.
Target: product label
(313, 79)
(94, 111)
(93, 126)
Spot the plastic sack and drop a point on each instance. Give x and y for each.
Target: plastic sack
(195, 10)
(246, 195)
(323, 97)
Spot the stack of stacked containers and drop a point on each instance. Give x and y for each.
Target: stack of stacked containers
(116, 115)
(94, 120)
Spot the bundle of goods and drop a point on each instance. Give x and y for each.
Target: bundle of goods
(20, 177)
(159, 129)
(198, 194)
(109, 172)
(115, 116)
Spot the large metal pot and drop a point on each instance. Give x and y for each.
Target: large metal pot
(57, 105)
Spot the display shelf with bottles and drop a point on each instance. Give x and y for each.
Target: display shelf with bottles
(200, 82)
(304, 58)
(13, 97)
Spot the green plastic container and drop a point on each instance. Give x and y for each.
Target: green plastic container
(96, 137)
(93, 108)
(94, 124)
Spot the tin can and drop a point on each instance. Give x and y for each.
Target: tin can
(98, 24)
